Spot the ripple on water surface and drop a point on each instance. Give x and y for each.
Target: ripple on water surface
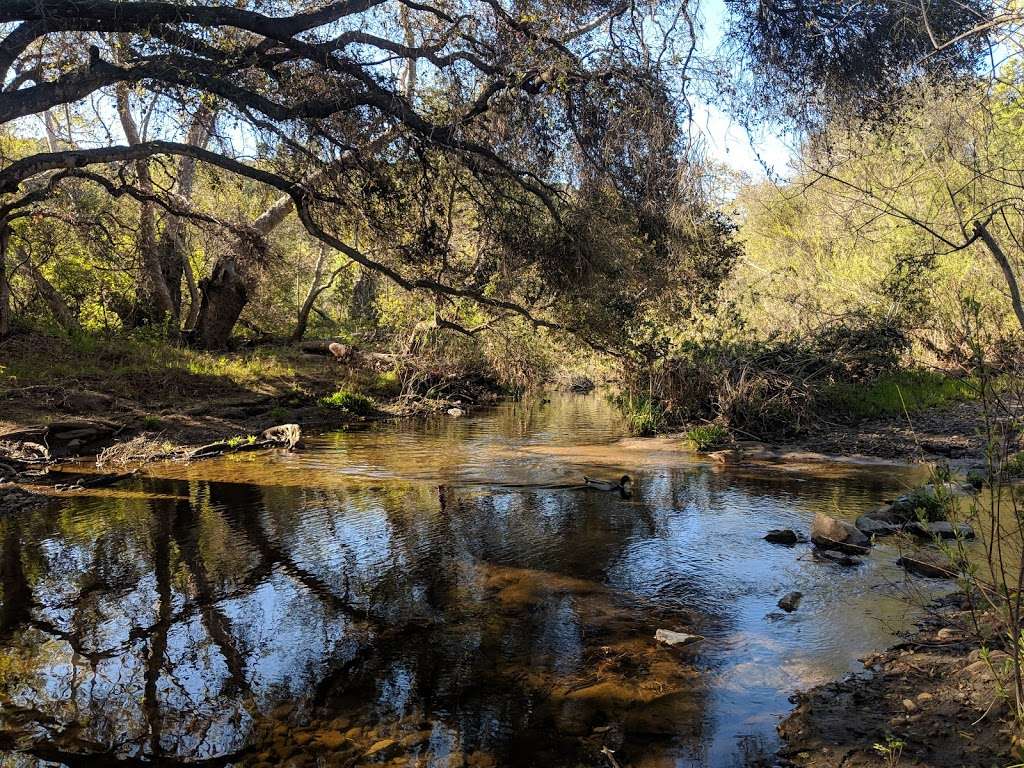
(434, 593)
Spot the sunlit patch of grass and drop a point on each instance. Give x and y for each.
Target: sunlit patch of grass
(893, 394)
(350, 402)
(707, 437)
(127, 361)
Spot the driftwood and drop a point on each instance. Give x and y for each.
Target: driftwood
(344, 352)
(95, 481)
(283, 436)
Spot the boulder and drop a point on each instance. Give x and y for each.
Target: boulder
(829, 533)
(782, 536)
(790, 602)
(455, 412)
(941, 529)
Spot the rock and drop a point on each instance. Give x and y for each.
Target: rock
(909, 705)
(941, 529)
(331, 740)
(928, 566)
(782, 536)
(790, 602)
(455, 412)
(924, 698)
(581, 384)
(669, 637)
(382, 749)
(829, 533)
(288, 435)
(947, 635)
(877, 524)
(834, 557)
(339, 351)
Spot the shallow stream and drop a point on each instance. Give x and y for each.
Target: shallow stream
(435, 593)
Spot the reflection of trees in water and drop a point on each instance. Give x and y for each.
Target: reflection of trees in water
(161, 629)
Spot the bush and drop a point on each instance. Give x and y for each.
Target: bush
(350, 402)
(644, 416)
(707, 436)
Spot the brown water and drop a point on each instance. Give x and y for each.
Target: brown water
(438, 593)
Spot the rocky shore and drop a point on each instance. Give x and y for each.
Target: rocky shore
(931, 700)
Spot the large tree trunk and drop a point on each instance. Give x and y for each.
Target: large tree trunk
(158, 293)
(224, 296)
(174, 245)
(5, 285)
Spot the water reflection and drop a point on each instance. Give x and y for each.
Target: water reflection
(429, 594)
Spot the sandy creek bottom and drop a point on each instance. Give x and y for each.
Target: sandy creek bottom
(435, 593)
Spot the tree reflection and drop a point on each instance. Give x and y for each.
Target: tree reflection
(215, 621)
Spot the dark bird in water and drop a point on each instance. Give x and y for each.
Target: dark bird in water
(624, 484)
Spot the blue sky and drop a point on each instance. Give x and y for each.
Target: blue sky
(724, 139)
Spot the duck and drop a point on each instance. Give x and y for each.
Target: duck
(623, 484)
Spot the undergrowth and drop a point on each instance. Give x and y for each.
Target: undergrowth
(350, 402)
(895, 393)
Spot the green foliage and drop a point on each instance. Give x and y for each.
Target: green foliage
(643, 414)
(896, 393)
(891, 750)
(350, 402)
(240, 440)
(707, 437)
(152, 423)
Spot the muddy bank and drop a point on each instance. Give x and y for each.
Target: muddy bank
(932, 698)
(951, 433)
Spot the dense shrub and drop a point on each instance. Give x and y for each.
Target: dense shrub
(773, 388)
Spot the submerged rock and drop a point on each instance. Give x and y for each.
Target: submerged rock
(668, 637)
(928, 566)
(837, 558)
(782, 536)
(829, 533)
(790, 602)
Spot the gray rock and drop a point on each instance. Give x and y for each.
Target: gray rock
(870, 525)
(829, 533)
(669, 637)
(782, 536)
(837, 558)
(790, 602)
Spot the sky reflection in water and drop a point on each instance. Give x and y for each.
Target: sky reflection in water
(432, 594)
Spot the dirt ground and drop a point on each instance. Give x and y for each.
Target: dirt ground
(948, 433)
(929, 702)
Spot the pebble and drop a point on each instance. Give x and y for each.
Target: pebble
(331, 739)
(909, 705)
(925, 697)
(947, 634)
(380, 747)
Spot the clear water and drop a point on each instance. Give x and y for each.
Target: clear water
(434, 593)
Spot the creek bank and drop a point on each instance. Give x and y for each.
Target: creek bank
(933, 692)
